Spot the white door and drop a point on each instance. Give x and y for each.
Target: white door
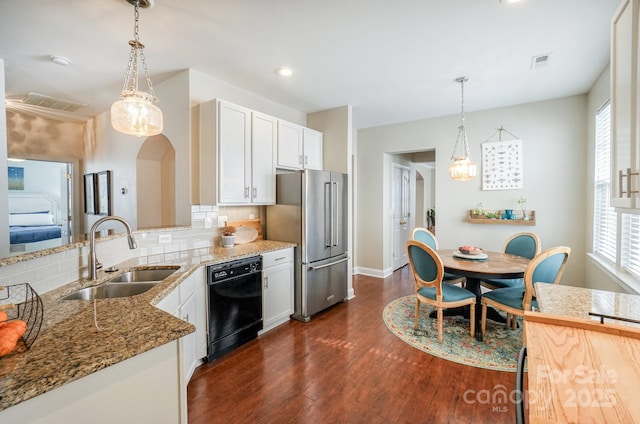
(400, 214)
(66, 203)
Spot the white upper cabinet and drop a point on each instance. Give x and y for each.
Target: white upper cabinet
(289, 145)
(234, 148)
(312, 146)
(237, 155)
(625, 135)
(264, 131)
(298, 147)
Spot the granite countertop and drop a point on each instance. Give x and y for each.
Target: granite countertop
(558, 299)
(80, 337)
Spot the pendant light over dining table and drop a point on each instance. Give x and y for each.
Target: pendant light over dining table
(135, 113)
(462, 168)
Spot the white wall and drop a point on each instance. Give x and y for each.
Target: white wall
(4, 209)
(203, 88)
(335, 125)
(554, 135)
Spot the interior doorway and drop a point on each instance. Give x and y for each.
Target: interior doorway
(155, 183)
(40, 204)
(412, 198)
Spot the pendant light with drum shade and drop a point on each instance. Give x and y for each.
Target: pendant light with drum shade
(136, 113)
(462, 168)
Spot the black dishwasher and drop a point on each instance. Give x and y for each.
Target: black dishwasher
(235, 304)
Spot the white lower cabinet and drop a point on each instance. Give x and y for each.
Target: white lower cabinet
(277, 287)
(141, 389)
(188, 302)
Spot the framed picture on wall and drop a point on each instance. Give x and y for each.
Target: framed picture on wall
(89, 194)
(16, 178)
(103, 193)
(502, 165)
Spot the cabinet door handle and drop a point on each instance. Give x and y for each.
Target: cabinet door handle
(246, 192)
(255, 192)
(306, 159)
(280, 258)
(300, 161)
(185, 317)
(628, 176)
(266, 282)
(620, 179)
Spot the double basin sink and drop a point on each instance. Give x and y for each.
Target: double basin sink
(130, 283)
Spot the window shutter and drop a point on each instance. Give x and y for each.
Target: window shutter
(630, 243)
(605, 218)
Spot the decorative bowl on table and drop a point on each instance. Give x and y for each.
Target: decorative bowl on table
(470, 250)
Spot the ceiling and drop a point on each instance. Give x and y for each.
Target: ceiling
(393, 61)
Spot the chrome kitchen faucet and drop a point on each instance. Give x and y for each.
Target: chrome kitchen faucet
(93, 260)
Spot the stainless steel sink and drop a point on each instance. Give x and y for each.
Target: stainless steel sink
(140, 275)
(109, 291)
(130, 283)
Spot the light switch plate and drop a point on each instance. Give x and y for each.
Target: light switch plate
(222, 221)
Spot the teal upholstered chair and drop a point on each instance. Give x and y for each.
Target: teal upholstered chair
(427, 274)
(526, 245)
(547, 267)
(427, 237)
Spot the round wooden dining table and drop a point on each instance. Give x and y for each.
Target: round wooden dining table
(495, 265)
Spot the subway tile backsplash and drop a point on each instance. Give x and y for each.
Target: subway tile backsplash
(51, 271)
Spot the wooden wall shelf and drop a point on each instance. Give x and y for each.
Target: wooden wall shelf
(477, 219)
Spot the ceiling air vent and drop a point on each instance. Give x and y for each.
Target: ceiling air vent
(51, 102)
(540, 60)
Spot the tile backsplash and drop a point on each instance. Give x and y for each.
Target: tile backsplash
(206, 216)
(48, 272)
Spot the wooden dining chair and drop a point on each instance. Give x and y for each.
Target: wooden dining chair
(427, 237)
(524, 244)
(428, 271)
(547, 267)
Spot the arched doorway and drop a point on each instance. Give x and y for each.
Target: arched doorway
(155, 176)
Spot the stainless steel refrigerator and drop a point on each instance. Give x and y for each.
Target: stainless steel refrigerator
(311, 211)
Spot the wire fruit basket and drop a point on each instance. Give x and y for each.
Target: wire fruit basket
(20, 303)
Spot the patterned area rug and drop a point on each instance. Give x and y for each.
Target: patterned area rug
(499, 351)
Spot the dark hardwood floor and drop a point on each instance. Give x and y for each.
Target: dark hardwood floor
(344, 366)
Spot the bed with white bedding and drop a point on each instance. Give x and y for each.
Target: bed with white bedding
(33, 218)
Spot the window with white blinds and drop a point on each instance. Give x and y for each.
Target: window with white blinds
(630, 243)
(605, 218)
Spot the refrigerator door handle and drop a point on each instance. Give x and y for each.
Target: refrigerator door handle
(328, 215)
(335, 222)
(313, 268)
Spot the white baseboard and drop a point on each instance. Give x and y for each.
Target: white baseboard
(373, 272)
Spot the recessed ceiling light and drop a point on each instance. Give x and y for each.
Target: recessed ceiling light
(509, 1)
(61, 60)
(284, 71)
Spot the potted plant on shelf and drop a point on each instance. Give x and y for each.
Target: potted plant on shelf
(522, 201)
(228, 236)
